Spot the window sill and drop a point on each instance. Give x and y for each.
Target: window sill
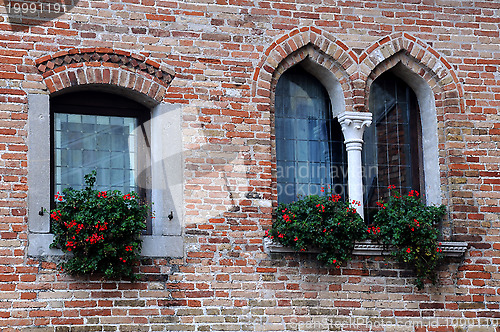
(171, 246)
(369, 248)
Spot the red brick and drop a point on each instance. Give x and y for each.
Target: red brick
(45, 313)
(226, 267)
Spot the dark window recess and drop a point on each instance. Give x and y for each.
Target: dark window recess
(103, 132)
(392, 153)
(310, 153)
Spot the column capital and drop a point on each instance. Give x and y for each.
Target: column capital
(353, 125)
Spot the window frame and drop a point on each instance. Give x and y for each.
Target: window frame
(166, 239)
(353, 124)
(330, 121)
(429, 132)
(141, 113)
(406, 106)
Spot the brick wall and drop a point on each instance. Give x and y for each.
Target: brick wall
(226, 56)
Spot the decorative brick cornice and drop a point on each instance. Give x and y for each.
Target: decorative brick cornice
(50, 64)
(86, 66)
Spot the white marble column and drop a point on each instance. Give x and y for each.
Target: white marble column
(353, 125)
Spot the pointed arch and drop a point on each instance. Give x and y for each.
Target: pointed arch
(331, 75)
(321, 56)
(299, 44)
(421, 59)
(430, 95)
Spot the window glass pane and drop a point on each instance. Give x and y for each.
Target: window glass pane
(86, 142)
(308, 141)
(392, 149)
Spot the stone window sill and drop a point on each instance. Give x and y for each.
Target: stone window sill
(152, 246)
(369, 248)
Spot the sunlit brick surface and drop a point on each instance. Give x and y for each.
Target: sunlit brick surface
(219, 60)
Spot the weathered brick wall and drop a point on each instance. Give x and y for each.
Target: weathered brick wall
(227, 56)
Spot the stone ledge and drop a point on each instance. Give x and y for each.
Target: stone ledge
(450, 249)
(369, 248)
(171, 246)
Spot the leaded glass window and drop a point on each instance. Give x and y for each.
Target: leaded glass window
(392, 149)
(310, 154)
(107, 144)
(99, 131)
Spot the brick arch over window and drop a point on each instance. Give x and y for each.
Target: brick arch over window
(326, 70)
(306, 43)
(74, 67)
(421, 59)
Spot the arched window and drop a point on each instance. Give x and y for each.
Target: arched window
(99, 131)
(310, 154)
(392, 152)
(94, 130)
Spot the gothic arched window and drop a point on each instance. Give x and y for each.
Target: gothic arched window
(392, 152)
(310, 154)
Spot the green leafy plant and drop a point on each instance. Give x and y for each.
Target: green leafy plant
(410, 227)
(403, 223)
(319, 222)
(100, 230)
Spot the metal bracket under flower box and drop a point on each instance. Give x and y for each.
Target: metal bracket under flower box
(369, 248)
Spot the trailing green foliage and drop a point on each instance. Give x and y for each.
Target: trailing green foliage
(321, 222)
(411, 228)
(100, 230)
(404, 223)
